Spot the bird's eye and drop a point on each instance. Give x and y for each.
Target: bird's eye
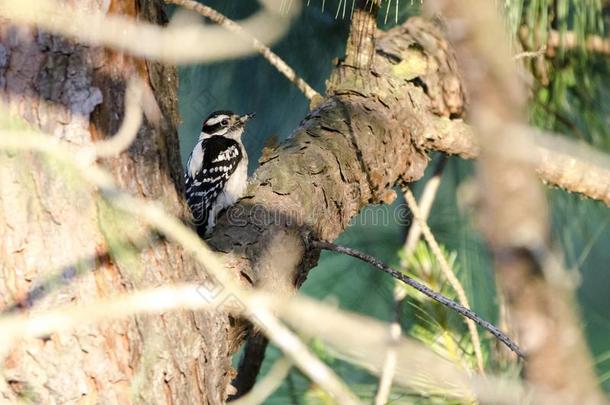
(224, 122)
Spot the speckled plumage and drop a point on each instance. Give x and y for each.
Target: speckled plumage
(216, 173)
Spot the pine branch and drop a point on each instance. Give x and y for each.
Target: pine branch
(501, 336)
(558, 160)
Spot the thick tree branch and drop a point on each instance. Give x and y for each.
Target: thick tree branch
(346, 154)
(559, 161)
(370, 133)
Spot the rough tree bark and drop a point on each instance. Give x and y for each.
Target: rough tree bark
(349, 152)
(60, 243)
(368, 134)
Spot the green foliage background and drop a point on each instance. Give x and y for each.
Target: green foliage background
(574, 103)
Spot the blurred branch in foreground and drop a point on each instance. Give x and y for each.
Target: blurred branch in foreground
(417, 366)
(155, 216)
(571, 165)
(556, 40)
(170, 44)
(514, 212)
(264, 50)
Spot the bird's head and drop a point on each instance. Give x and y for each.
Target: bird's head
(225, 123)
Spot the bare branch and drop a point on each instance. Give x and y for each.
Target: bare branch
(263, 49)
(424, 290)
(558, 160)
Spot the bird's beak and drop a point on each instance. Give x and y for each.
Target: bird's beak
(246, 117)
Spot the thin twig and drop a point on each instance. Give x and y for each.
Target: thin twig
(530, 54)
(428, 195)
(263, 49)
(460, 309)
(448, 273)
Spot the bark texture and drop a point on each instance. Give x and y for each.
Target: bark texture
(60, 244)
(347, 153)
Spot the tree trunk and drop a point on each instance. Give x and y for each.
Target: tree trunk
(60, 243)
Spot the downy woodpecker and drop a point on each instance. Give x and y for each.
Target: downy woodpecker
(217, 169)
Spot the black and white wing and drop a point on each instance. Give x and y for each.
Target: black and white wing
(209, 168)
